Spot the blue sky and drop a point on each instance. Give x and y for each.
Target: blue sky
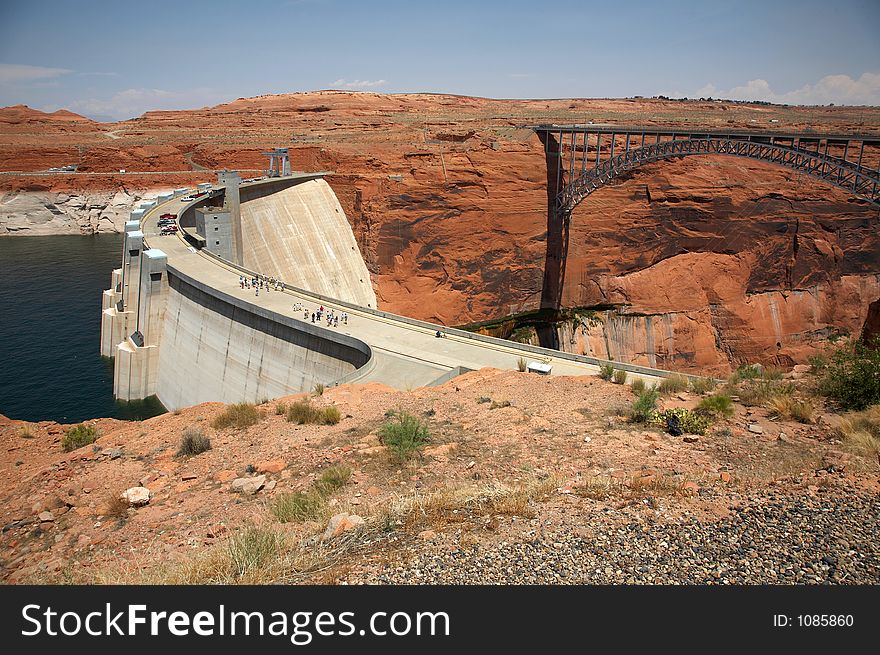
(119, 59)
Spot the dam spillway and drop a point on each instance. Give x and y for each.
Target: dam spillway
(180, 326)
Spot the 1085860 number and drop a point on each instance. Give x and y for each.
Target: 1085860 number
(825, 620)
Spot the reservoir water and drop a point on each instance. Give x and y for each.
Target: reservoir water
(50, 325)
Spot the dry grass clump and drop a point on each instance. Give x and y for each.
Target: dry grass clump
(193, 442)
(252, 549)
(117, 506)
(521, 365)
(26, 431)
(605, 487)
(280, 409)
(332, 478)
(717, 405)
(860, 432)
(298, 506)
(302, 412)
(619, 376)
(239, 415)
(459, 505)
(637, 386)
(319, 389)
(606, 371)
(499, 404)
(789, 407)
(673, 384)
(703, 385)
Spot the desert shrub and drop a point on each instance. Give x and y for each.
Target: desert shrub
(717, 405)
(619, 377)
(606, 371)
(280, 409)
(193, 442)
(319, 389)
(746, 372)
(240, 415)
(79, 436)
(703, 385)
(521, 365)
(404, 434)
(644, 406)
(252, 549)
(852, 377)
(332, 478)
(483, 399)
(498, 405)
(688, 421)
(302, 412)
(860, 431)
(674, 384)
(788, 407)
(637, 386)
(298, 506)
(26, 431)
(818, 363)
(117, 506)
(755, 392)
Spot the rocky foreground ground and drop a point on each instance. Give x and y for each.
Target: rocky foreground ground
(526, 479)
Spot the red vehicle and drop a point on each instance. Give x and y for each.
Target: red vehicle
(171, 216)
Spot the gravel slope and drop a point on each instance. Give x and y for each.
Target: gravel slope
(773, 539)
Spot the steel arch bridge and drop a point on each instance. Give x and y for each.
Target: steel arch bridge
(583, 158)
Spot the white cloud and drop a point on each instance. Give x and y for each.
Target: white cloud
(839, 89)
(134, 102)
(357, 84)
(13, 73)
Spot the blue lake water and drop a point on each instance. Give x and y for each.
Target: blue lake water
(50, 326)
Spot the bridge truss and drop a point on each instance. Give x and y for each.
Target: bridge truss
(582, 158)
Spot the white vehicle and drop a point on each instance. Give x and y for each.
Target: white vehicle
(187, 199)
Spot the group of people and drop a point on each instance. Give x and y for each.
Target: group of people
(331, 317)
(258, 282)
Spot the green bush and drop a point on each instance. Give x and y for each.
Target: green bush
(240, 415)
(717, 405)
(852, 377)
(606, 371)
(280, 409)
(674, 384)
(746, 372)
(690, 422)
(298, 506)
(193, 442)
(404, 434)
(644, 406)
(703, 385)
(637, 386)
(79, 436)
(619, 377)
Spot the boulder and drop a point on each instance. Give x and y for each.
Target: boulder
(249, 486)
(137, 496)
(341, 523)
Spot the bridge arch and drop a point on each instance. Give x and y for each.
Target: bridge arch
(583, 158)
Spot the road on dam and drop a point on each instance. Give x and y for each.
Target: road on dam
(406, 353)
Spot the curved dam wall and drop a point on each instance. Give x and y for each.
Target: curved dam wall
(299, 233)
(215, 347)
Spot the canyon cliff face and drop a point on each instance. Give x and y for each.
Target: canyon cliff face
(695, 264)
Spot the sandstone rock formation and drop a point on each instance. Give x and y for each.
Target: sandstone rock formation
(695, 264)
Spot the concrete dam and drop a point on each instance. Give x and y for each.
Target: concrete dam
(180, 326)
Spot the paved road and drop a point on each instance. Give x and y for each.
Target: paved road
(406, 355)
